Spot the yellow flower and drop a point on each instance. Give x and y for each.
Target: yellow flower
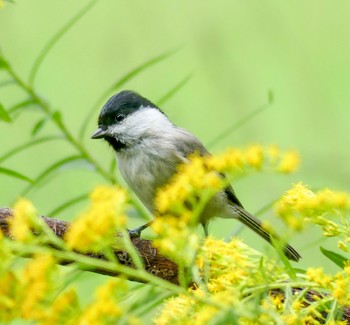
(229, 268)
(97, 227)
(254, 156)
(300, 206)
(289, 162)
(194, 183)
(23, 221)
(231, 160)
(319, 277)
(36, 284)
(105, 309)
(278, 301)
(10, 290)
(341, 286)
(297, 305)
(175, 238)
(290, 319)
(64, 309)
(201, 174)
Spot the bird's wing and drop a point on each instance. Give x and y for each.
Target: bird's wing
(231, 196)
(189, 144)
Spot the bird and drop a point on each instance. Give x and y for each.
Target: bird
(149, 149)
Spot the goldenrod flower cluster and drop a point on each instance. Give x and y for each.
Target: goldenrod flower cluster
(33, 290)
(192, 179)
(24, 293)
(338, 284)
(239, 286)
(229, 282)
(202, 173)
(301, 206)
(97, 227)
(34, 293)
(176, 239)
(105, 309)
(255, 157)
(24, 220)
(181, 202)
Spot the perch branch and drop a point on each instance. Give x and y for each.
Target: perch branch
(154, 262)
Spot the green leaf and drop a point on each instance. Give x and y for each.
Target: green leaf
(57, 116)
(51, 170)
(334, 257)
(27, 145)
(174, 90)
(39, 125)
(4, 116)
(19, 106)
(119, 83)
(3, 63)
(278, 245)
(53, 40)
(242, 121)
(5, 83)
(15, 174)
(68, 204)
(139, 69)
(270, 97)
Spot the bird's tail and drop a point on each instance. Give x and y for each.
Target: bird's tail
(256, 225)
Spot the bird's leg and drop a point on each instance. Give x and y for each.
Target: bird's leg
(134, 233)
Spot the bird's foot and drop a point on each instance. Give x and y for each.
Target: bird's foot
(136, 233)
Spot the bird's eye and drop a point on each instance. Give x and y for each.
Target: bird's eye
(119, 117)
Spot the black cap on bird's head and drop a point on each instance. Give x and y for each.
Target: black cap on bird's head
(117, 108)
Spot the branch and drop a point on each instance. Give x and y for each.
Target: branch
(155, 263)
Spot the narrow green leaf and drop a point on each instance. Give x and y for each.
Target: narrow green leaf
(3, 63)
(270, 97)
(68, 204)
(57, 116)
(6, 82)
(15, 174)
(174, 90)
(39, 125)
(28, 145)
(50, 44)
(51, 170)
(145, 305)
(139, 69)
(278, 245)
(242, 121)
(334, 257)
(4, 116)
(19, 106)
(119, 83)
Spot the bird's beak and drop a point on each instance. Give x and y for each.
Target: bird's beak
(99, 134)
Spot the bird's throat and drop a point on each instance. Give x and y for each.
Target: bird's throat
(115, 143)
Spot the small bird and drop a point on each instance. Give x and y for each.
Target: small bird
(149, 148)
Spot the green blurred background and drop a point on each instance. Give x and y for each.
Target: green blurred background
(236, 52)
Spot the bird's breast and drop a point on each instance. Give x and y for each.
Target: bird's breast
(145, 172)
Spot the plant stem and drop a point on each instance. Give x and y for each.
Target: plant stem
(92, 263)
(47, 110)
